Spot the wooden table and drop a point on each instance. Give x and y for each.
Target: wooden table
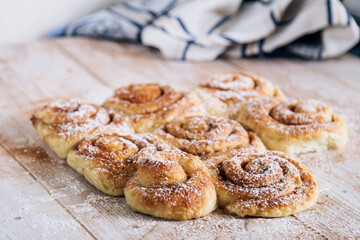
(43, 198)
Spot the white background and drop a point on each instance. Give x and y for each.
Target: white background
(25, 20)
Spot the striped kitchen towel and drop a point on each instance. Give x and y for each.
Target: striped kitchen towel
(200, 30)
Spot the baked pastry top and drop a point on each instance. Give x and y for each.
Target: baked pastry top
(171, 184)
(294, 127)
(264, 184)
(201, 135)
(224, 93)
(196, 157)
(151, 105)
(62, 124)
(109, 160)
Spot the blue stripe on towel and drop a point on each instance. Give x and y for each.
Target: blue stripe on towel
(348, 17)
(320, 46)
(276, 22)
(219, 23)
(168, 8)
(183, 25)
(164, 12)
(259, 1)
(229, 39)
(261, 52)
(168, 33)
(162, 29)
(186, 49)
(243, 50)
(328, 6)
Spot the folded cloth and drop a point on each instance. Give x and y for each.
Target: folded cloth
(201, 30)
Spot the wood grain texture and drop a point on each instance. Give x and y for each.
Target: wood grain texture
(337, 172)
(118, 65)
(36, 73)
(27, 208)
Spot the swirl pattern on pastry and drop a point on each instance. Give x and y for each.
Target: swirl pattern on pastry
(151, 105)
(143, 98)
(224, 93)
(265, 184)
(109, 160)
(171, 184)
(301, 112)
(63, 123)
(56, 115)
(207, 134)
(294, 127)
(236, 87)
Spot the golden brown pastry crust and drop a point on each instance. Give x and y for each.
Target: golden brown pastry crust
(171, 184)
(62, 124)
(207, 134)
(224, 93)
(294, 127)
(108, 161)
(264, 184)
(152, 105)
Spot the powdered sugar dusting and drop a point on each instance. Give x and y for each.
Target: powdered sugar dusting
(217, 225)
(286, 122)
(301, 112)
(205, 134)
(238, 87)
(262, 183)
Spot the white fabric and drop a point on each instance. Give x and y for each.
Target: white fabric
(202, 30)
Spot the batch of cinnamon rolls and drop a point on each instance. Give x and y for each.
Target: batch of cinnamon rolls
(228, 144)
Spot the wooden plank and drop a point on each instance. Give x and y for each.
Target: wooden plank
(338, 207)
(27, 209)
(118, 59)
(104, 216)
(292, 76)
(307, 79)
(220, 226)
(84, 69)
(33, 75)
(345, 69)
(337, 172)
(119, 65)
(18, 136)
(42, 73)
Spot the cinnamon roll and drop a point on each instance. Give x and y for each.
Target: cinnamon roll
(171, 184)
(62, 124)
(201, 135)
(224, 93)
(151, 105)
(294, 127)
(108, 161)
(264, 184)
